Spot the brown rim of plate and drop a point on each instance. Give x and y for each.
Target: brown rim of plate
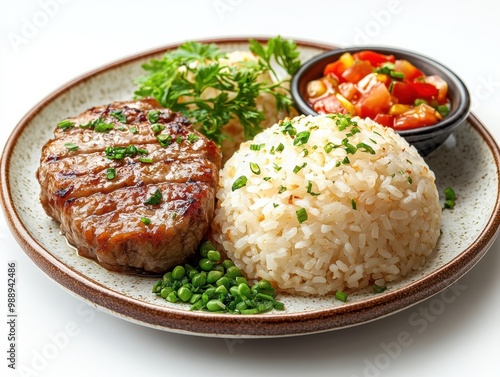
(209, 324)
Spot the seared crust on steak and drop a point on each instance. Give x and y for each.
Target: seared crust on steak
(106, 218)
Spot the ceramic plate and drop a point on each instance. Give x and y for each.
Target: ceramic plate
(468, 162)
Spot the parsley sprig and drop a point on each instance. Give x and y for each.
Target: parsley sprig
(181, 78)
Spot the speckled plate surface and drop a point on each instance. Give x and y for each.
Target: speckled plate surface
(468, 161)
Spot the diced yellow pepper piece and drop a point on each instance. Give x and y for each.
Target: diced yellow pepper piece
(381, 77)
(347, 59)
(346, 103)
(398, 109)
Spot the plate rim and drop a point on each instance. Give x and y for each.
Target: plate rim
(210, 324)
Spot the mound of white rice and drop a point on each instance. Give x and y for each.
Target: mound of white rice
(326, 203)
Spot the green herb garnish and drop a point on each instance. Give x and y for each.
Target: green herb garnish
(118, 153)
(287, 128)
(298, 168)
(145, 220)
(301, 215)
(157, 128)
(342, 296)
(301, 138)
(164, 140)
(192, 138)
(71, 147)
(239, 183)
(194, 67)
(378, 288)
(309, 189)
(154, 199)
(110, 174)
(102, 126)
(118, 114)
(153, 116)
(65, 124)
(450, 197)
(256, 147)
(254, 168)
(388, 69)
(365, 148)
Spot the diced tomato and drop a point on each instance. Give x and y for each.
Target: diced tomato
(408, 92)
(389, 95)
(368, 82)
(410, 71)
(373, 57)
(385, 120)
(420, 116)
(348, 90)
(337, 68)
(357, 71)
(329, 105)
(441, 86)
(425, 91)
(404, 92)
(377, 100)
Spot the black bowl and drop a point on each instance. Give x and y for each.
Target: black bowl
(425, 139)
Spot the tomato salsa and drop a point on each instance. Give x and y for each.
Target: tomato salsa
(393, 92)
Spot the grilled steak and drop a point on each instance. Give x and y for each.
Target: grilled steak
(132, 184)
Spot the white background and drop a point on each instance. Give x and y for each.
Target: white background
(458, 337)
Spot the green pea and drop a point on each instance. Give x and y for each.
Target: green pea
(233, 272)
(210, 291)
(227, 263)
(240, 280)
(192, 273)
(205, 264)
(234, 291)
(221, 290)
(195, 298)
(165, 292)
(213, 255)
(178, 273)
(184, 294)
(264, 285)
(213, 276)
(215, 306)
(205, 248)
(167, 278)
(172, 297)
(225, 281)
(244, 290)
(241, 306)
(205, 298)
(218, 267)
(157, 287)
(199, 280)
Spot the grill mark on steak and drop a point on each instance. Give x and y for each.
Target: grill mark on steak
(102, 217)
